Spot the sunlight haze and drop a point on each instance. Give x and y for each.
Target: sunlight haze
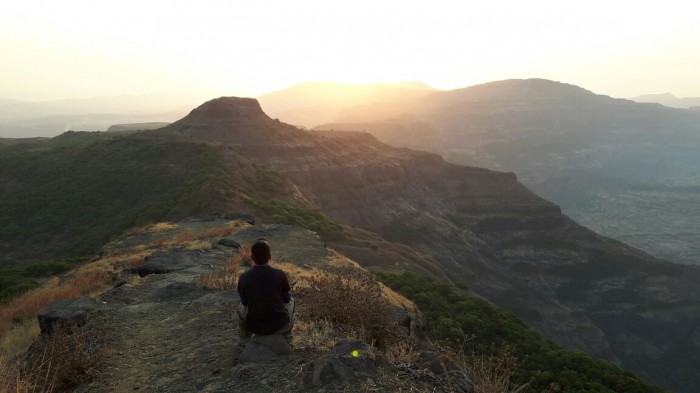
(74, 49)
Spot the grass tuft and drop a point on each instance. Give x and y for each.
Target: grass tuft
(64, 360)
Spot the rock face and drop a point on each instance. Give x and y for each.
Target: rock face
(74, 311)
(166, 262)
(214, 120)
(486, 230)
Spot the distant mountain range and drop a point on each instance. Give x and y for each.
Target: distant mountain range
(622, 168)
(668, 99)
(23, 119)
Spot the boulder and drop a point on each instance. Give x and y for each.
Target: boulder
(265, 348)
(408, 321)
(351, 361)
(432, 362)
(162, 262)
(66, 311)
(226, 242)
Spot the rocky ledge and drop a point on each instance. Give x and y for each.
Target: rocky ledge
(167, 332)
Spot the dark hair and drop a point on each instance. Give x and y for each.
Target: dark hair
(260, 251)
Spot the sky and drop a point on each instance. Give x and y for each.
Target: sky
(78, 49)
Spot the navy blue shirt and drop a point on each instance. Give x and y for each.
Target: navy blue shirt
(264, 290)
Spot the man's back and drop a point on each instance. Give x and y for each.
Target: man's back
(265, 290)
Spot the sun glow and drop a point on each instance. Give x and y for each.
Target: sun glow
(87, 48)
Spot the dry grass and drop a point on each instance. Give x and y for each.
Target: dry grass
(135, 261)
(11, 379)
(183, 237)
(150, 228)
(353, 302)
(19, 337)
(29, 304)
(201, 245)
(158, 242)
(115, 264)
(194, 240)
(221, 279)
(161, 226)
(226, 278)
(15, 329)
(67, 358)
(319, 335)
(135, 231)
(403, 352)
(482, 373)
(217, 232)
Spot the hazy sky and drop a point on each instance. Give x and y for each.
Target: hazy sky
(59, 49)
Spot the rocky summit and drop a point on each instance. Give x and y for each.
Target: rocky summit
(171, 331)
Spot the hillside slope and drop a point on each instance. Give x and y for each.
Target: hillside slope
(622, 168)
(63, 198)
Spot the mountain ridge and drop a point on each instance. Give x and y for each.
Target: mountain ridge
(557, 146)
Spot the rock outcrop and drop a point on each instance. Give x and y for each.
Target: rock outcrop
(72, 311)
(265, 348)
(169, 332)
(346, 364)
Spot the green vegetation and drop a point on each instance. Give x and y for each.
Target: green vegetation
(66, 197)
(16, 280)
(451, 316)
(282, 213)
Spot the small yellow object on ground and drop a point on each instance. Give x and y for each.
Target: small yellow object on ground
(355, 353)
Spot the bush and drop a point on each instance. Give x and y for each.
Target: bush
(354, 302)
(281, 213)
(452, 315)
(67, 358)
(227, 278)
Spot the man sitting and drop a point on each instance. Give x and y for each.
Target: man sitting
(266, 304)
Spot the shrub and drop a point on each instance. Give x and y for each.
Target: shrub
(281, 213)
(67, 358)
(450, 314)
(227, 278)
(354, 302)
(484, 373)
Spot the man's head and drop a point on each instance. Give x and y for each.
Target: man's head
(260, 251)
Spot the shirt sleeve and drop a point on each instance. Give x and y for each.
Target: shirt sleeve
(286, 290)
(241, 292)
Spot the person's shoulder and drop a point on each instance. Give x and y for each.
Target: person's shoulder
(246, 273)
(279, 271)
